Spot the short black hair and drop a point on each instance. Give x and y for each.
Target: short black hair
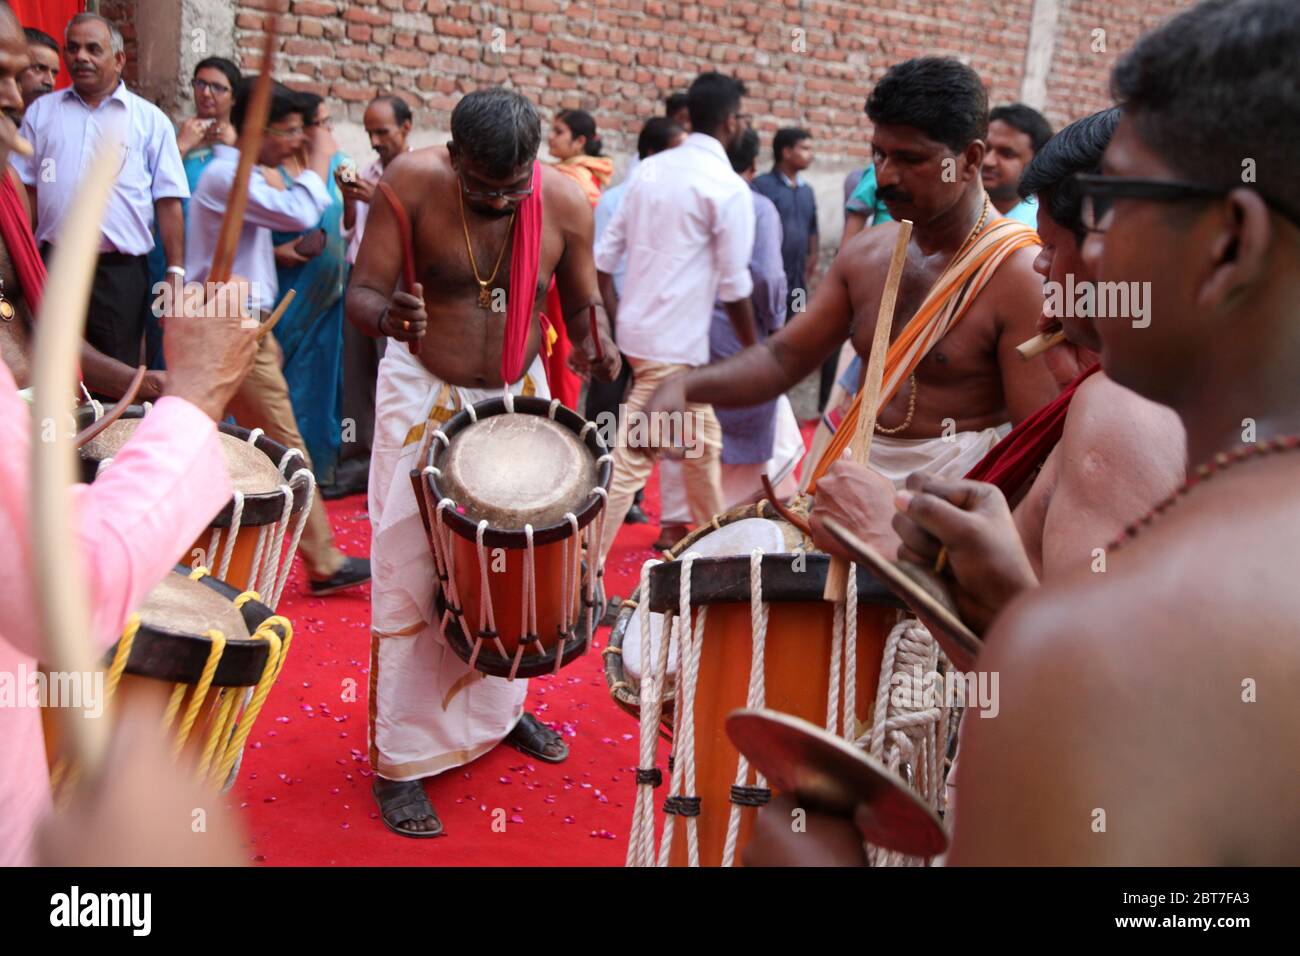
(744, 151)
(1026, 119)
(401, 109)
(1217, 85)
(1050, 174)
(284, 102)
(675, 103)
(786, 137)
(227, 68)
(498, 129)
(655, 135)
(712, 98)
(37, 37)
(582, 123)
(940, 96)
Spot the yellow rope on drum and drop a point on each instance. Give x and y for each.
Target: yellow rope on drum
(276, 653)
(215, 650)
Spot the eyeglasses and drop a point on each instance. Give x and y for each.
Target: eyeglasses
(1100, 193)
(488, 195)
(293, 133)
(203, 86)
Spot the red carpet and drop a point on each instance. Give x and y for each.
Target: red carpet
(303, 793)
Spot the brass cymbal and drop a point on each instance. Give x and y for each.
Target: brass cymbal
(833, 776)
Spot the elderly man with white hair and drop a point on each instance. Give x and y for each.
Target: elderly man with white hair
(68, 129)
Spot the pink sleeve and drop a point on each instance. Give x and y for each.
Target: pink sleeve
(138, 519)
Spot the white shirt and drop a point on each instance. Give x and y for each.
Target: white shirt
(289, 210)
(606, 208)
(686, 225)
(67, 135)
(371, 174)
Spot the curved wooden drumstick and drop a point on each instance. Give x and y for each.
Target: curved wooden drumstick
(250, 144)
(57, 567)
(770, 493)
(407, 235)
(95, 429)
(277, 315)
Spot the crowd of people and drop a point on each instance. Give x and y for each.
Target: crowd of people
(694, 286)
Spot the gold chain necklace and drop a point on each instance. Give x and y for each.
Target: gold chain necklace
(484, 297)
(911, 398)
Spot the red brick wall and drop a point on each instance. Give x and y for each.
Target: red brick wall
(618, 58)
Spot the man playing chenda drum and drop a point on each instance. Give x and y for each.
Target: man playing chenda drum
(966, 380)
(467, 202)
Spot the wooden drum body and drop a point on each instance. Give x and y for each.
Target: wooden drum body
(813, 666)
(513, 497)
(251, 542)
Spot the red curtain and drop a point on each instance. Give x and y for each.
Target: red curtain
(52, 16)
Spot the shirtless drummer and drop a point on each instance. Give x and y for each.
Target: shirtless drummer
(429, 712)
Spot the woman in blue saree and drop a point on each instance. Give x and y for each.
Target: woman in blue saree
(310, 332)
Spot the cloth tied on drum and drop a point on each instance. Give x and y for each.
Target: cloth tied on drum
(945, 305)
(131, 527)
(429, 711)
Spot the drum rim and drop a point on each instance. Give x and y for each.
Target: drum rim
(166, 654)
(260, 509)
(726, 580)
(523, 404)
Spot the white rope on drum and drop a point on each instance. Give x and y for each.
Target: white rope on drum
(251, 583)
(596, 531)
(639, 840)
(527, 604)
(757, 696)
(571, 575)
(309, 480)
(446, 556)
(236, 519)
(689, 641)
(271, 569)
(509, 400)
(850, 725)
(486, 612)
(833, 679)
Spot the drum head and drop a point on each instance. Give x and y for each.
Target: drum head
(188, 607)
(832, 775)
(518, 469)
(251, 471)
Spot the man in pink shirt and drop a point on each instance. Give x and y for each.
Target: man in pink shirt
(133, 524)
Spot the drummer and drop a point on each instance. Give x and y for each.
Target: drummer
(1069, 508)
(469, 204)
(131, 526)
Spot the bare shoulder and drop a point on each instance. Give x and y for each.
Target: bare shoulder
(1116, 428)
(561, 194)
(414, 173)
(869, 248)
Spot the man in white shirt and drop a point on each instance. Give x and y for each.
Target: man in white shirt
(263, 399)
(686, 225)
(388, 124)
(67, 130)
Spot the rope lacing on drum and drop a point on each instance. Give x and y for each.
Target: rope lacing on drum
(570, 577)
(741, 793)
(552, 408)
(509, 399)
(683, 800)
(641, 838)
(236, 519)
(486, 613)
(305, 477)
(527, 604)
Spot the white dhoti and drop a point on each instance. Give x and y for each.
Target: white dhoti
(428, 711)
(740, 483)
(948, 456)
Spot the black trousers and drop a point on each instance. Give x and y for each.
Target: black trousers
(119, 301)
(361, 355)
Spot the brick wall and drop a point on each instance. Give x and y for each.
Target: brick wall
(808, 62)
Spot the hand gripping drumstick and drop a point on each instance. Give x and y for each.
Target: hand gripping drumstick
(860, 448)
(408, 244)
(61, 597)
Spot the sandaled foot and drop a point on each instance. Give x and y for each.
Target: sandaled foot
(534, 738)
(405, 808)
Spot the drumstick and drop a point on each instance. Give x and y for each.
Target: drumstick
(57, 569)
(595, 333)
(93, 430)
(1032, 348)
(860, 448)
(250, 144)
(275, 316)
(770, 493)
(407, 236)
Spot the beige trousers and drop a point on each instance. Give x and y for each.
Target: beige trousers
(263, 402)
(633, 462)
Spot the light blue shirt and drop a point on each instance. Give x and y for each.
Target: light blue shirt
(606, 206)
(67, 136)
(288, 210)
(1025, 211)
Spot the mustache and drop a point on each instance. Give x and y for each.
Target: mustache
(892, 194)
(493, 213)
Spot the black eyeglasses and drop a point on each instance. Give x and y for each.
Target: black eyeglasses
(216, 89)
(1100, 193)
(488, 195)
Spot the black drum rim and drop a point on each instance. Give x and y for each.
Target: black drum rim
(490, 662)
